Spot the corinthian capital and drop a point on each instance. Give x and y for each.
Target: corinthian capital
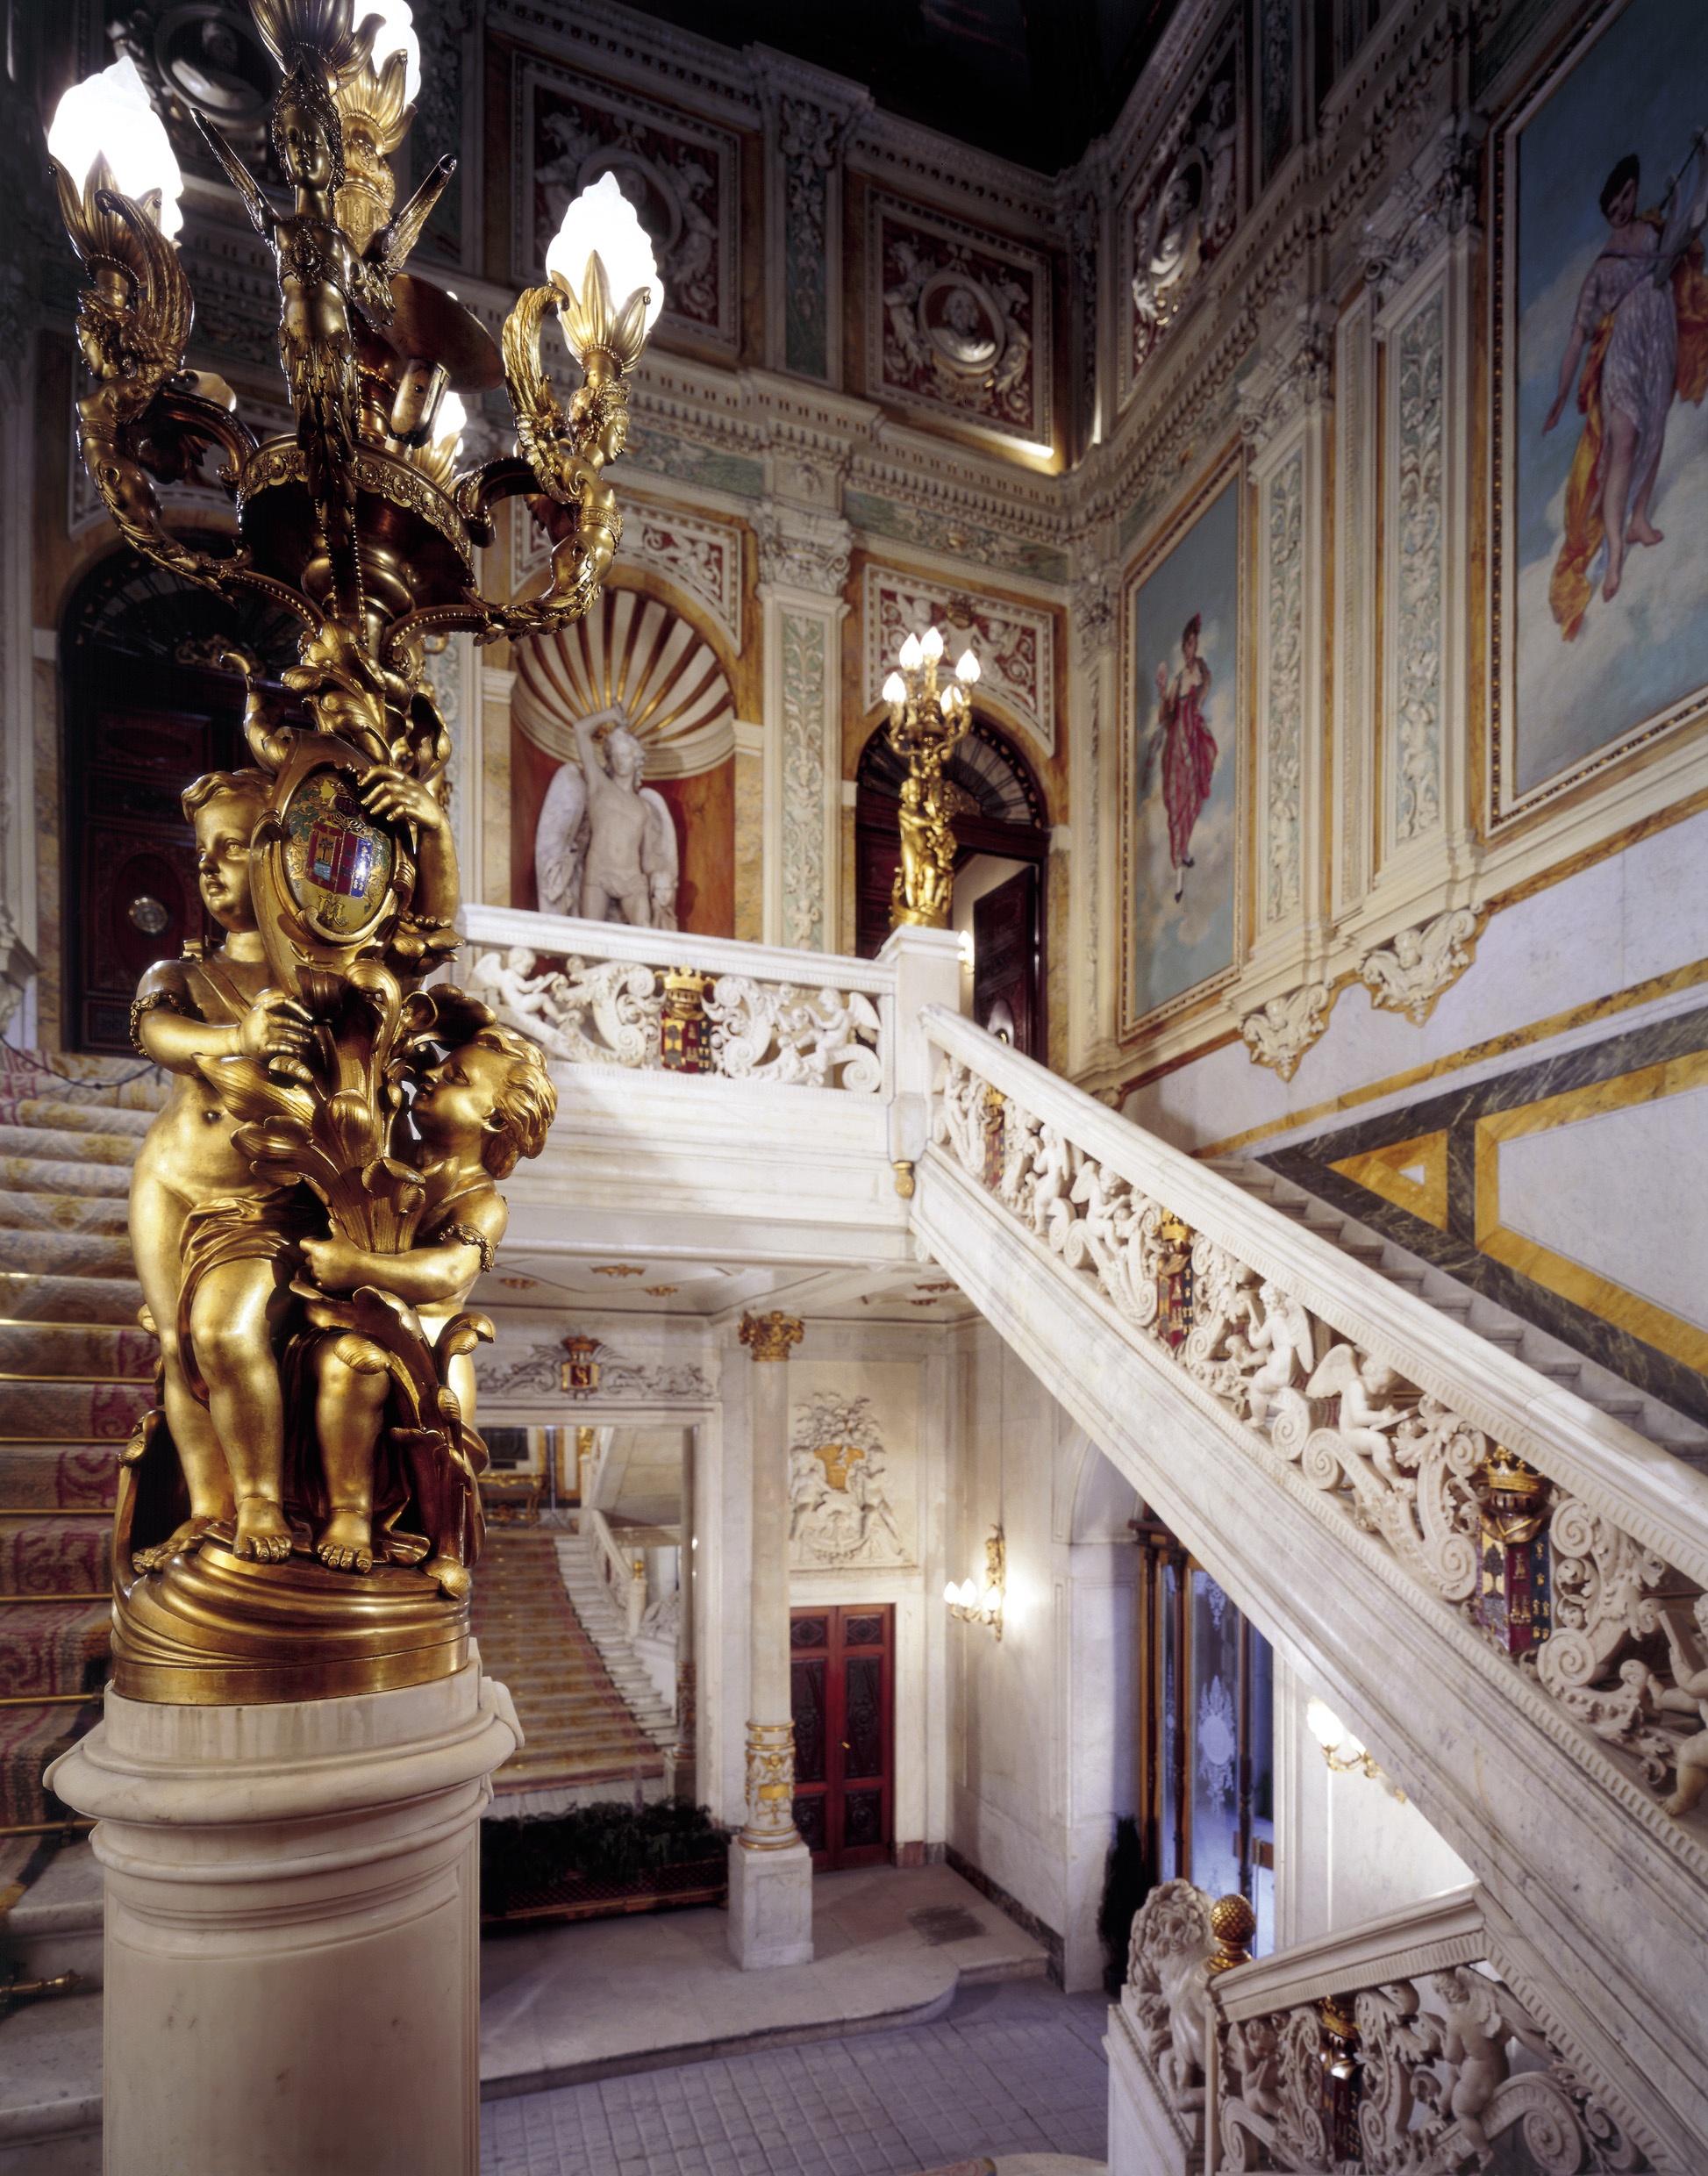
(770, 1336)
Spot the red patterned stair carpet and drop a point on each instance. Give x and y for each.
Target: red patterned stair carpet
(579, 1728)
(75, 1370)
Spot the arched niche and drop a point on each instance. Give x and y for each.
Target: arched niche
(147, 707)
(641, 653)
(1001, 844)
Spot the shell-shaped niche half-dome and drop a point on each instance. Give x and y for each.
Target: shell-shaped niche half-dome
(633, 652)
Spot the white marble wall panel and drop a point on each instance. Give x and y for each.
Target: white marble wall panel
(1607, 929)
(1605, 1192)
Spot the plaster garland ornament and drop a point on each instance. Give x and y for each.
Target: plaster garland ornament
(799, 549)
(1416, 966)
(539, 1371)
(298, 1515)
(840, 1511)
(769, 1337)
(1280, 1032)
(1433, 201)
(1295, 372)
(1394, 1458)
(612, 1013)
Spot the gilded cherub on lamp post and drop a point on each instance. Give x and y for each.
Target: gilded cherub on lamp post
(298, 1514)
(927, 718)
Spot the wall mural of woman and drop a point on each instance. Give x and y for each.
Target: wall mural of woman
(1183, 646)
(1608, 193)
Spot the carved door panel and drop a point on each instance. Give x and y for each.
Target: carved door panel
(841, 1680)
(1006, 965)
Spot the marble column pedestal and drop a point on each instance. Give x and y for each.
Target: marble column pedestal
(292, 1940)
(770, 1904)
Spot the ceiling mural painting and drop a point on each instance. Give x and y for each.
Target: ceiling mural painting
(679, 174)
(959, 323)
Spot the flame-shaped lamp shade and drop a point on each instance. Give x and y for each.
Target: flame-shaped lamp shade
(448, 421)
(895, 689)
(109, 114)
(601, 222)
(931, 644)
(397, 35)
(1328, 1729)
(910, 654)
(965, 669)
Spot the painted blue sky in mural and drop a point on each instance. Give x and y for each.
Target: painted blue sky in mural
(1641, 88)
(1180, 943)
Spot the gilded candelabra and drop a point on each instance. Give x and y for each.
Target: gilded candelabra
(928, 714)
(298, 1514)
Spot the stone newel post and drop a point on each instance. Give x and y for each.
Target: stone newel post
(770, 1868)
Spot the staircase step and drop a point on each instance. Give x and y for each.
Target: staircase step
(38, 1211)
(57, 1115)
(78, 1351)
(70, 1254)
(67, 1144)
(25, 1297)
(59, 1476)
(68, 1556)
(44, 1175)
(57, 1925)
(49, 1411)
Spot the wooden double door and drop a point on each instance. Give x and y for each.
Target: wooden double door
(841, 1684)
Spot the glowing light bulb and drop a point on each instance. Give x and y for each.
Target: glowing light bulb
(1325, 1725)
(109, 116)
(931, 644)
(951, 1594)
(397, 35)
(966, 667)
(602, 223)
(895, 689)
(912, 654)
(447, 424)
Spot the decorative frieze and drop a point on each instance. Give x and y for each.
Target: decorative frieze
(960, 322)
(802, 550)
(1015, 644)
(678, 171)
(542, 1371)
(804, 645)
(1420, 491)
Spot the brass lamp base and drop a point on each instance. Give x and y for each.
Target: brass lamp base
(920, 917)
(210, 1628)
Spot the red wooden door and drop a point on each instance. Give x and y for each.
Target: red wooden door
(841, 1684)
(1005, 960)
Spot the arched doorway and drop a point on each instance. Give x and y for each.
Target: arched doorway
(148, 708)
(1002, 842)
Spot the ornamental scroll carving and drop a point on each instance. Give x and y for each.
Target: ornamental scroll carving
(1574, 1606)
(1410, 972)
(612, 1013)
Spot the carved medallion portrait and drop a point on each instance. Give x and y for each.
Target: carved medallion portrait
(959, 321)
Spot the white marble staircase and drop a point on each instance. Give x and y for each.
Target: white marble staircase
(603, 1624)
(1549, 1356)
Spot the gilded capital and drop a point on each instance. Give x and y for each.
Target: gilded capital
(770, 1336)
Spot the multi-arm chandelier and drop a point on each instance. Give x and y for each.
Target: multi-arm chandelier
(927, 716)
(298, 1515)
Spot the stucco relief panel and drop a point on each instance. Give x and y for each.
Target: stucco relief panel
(960, 322)
(1181, 213)
(700, 556)
(1283, 684)
(806, 691)
(678, 173)
(1015, 646)
(853, 1466)
(1419, 487)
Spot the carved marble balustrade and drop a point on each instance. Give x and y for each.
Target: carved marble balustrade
(1504, 1585)
(602, 993)
(1411, 2046)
